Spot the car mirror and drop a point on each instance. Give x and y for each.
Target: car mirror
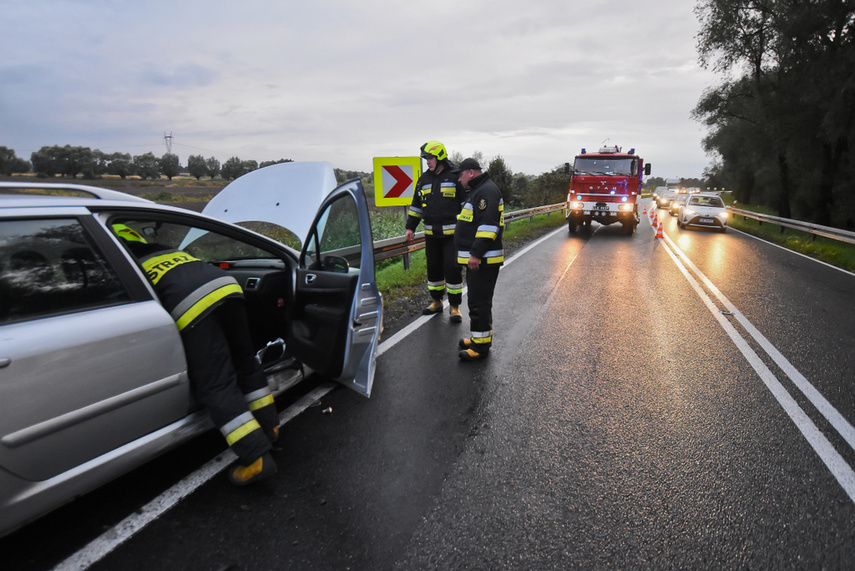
(336, 264)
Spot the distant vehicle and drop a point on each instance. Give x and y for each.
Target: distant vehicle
(703, 209)
(678, 202)
(672, 184)
(93, 378)
(663, 199)
(605, 186)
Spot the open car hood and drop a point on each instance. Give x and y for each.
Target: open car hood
(286, 194)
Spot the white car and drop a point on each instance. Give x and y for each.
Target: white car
(93, 379)
(703, 209)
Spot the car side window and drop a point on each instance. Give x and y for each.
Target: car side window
(52, 267)
(336, 245)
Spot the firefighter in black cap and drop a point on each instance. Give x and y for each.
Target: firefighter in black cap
(478, 239)
(436, 202)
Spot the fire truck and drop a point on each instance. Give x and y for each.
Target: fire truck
(605, 186)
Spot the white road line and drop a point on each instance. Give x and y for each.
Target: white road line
(406, 331)
(835, 463)
(101, 546)
(840, 424)
(98, 548)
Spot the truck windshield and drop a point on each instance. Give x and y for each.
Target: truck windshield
(617, 166)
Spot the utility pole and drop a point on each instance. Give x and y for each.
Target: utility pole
(167, 140)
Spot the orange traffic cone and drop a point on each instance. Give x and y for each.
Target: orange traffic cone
(655, 220)
(659, 232)
(645, 210)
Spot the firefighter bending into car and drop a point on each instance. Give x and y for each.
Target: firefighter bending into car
(436, 202)
(478, 238)
(208, 307)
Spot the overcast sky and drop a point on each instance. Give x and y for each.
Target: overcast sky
(345, 81)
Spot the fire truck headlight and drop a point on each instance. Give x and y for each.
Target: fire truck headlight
(626, 207)
(576, 206)
(624, 199)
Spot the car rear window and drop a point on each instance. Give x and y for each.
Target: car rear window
(51, 267)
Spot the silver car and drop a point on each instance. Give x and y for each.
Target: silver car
(703, 209)
(93, 380)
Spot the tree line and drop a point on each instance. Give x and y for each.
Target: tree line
(782, 120)
(70, 161)
(518, 189)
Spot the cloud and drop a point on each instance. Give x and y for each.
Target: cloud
(344, 81)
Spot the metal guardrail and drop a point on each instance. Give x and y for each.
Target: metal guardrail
(398, 246)
(815, 229)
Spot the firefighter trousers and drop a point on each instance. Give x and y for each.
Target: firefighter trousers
(228, 380)
(443, 271)
(481, 284)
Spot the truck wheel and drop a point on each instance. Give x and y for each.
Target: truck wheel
(571, 225)
(628, 228)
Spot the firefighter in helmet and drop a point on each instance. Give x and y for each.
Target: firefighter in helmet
(436, 202)
(208, 307)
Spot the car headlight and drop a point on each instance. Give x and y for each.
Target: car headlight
(723, 214)
(689, 211)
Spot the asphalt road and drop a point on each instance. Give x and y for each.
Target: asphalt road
(634, 413)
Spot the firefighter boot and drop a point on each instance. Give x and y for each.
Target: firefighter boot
(262, 468)
(472, 354)
(434, 307)
(465, 343)
(454, 314)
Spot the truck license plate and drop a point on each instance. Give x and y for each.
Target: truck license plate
(600, 207)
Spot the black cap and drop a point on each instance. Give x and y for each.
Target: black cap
(467, 164)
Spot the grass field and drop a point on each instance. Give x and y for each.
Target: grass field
(834, 252)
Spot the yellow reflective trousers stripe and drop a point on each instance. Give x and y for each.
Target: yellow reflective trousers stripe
(242, 431)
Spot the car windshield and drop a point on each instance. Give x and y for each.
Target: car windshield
(714, 201)
(202, 244)
(616, 166)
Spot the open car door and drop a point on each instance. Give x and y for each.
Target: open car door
(337, 310)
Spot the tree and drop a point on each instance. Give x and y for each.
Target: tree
(196, 166)
(10, 164)
(280, 161)
(147, 166)
(504, 179)
(170, 165)
(213, 167)
(232, 168)
(548, 188)
(120, 165)
(248, 166)
(782, 129)
(45, 162)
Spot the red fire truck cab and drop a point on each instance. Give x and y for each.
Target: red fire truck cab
(605, 187)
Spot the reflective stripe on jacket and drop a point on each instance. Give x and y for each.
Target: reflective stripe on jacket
(436, 201)
(188, 288)
(480, 223)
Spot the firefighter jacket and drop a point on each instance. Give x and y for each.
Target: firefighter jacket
(436, 201)
(189, 288)
(480, 223)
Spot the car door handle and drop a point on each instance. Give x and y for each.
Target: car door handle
(311, 278)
